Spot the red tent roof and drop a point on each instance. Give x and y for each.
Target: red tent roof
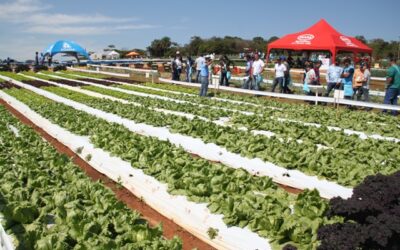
(320, 36)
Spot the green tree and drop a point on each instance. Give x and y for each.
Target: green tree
(193, 48)
(361, 39)
(259, 44)
(272, 38)
(379, 48)
(162, 47)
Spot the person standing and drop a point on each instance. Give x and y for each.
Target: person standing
(347, 79)
(174, 69)
(358, 82)
(305, 64)
(178, 63)
(204, 76)
(333, 77)
(367, 80)
(309, 79)
(199, 61)
(280, 69)
(393, 85)
(249, 73)
(189, 67)
(257, 69)
(225, 66)
(36, 58)
(317, 80)
(287, 79)
(223, 79)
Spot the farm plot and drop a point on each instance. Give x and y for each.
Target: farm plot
(243, 199)
(117, 93)
(343, 158)
(369, 122)
(48, 203)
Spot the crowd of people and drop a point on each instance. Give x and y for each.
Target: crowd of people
(354, 81)
(202, 65)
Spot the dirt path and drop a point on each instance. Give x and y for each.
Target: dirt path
(170, 229)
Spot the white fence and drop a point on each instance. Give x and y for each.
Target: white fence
(299, 85)
(316, 99)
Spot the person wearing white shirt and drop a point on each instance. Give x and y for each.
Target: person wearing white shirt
(280, 69)
(367, 80)
(199, 62)
(257, 69)
(333, 78)
(309, 79)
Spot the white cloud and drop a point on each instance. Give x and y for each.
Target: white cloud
(62, 19)
(18, 8)
(83, 30)
(136, 27)
(31, 17)
(66, 30)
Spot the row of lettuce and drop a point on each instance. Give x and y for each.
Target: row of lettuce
(243, 199)
(49, 203)
(347, 160)
(369, 122)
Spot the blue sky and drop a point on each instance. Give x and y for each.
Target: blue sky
(31, 25)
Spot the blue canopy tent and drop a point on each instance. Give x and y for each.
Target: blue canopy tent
(65, 47)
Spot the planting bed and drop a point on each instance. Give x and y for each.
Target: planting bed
(188, 144)
(48, 203)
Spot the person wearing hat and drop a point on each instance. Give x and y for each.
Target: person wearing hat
(204, 76)
(280, 69)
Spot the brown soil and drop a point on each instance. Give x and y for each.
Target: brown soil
(122, 80)
(98, 81)
(8, 85)
(68, 82)
(37, 83)
(154, 218)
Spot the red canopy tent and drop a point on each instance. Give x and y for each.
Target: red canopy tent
(320, 37)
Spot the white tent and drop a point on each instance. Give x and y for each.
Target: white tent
(98, 56)
(112, 55)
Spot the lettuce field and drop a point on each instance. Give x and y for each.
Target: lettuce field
(247, 172)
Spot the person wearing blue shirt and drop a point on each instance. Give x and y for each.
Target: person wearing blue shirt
(333, 77)
(249, 66)
(204, 75)
(347, 79)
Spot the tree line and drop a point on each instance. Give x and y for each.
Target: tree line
(228, 45)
